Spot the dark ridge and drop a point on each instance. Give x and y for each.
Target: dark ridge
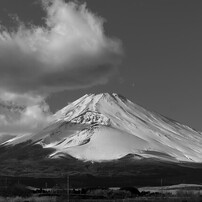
(124, 99)
(115, 95)
(62, 141)
(85, 142)
(130, 157)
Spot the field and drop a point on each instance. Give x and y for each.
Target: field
(174, 193)
(145, 199)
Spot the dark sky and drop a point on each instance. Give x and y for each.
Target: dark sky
(162, 40)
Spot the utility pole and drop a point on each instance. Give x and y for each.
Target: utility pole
(67, 188)
(161, 185)
(6, 183)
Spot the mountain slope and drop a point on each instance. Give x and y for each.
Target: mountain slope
(108, 126)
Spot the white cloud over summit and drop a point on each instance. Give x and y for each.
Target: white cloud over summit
(70, 51)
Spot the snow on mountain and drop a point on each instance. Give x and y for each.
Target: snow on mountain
(5, 137)
(109, 126)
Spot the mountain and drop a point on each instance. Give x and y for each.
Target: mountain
(106, 127)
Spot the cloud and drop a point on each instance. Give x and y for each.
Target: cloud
(70, 51)
(23, 99)
(32, 119)
(21, 114)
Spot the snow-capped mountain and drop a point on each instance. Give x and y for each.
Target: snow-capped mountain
(100, 127)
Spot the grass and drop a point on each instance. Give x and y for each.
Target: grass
(144, 199)
(30, 199)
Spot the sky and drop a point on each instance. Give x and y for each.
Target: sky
(147, 50)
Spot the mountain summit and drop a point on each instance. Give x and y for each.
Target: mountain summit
(104, 127)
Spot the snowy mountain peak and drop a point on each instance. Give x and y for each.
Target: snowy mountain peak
(89, 102)
(106, 126)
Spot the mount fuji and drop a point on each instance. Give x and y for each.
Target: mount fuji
(107, 127)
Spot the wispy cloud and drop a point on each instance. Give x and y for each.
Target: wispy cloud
(20, 114)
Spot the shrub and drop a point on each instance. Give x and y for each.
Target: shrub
(16, 190)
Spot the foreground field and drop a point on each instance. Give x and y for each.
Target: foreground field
(143, 199)
(31, 199)
(173, 193)
(177, 190)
